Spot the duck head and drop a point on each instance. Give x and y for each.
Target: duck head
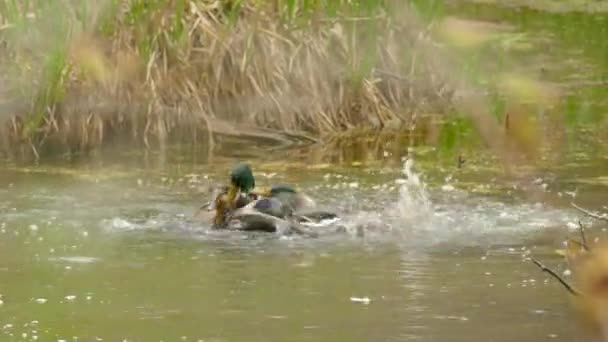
(236, 195)
(241, 181)
(290, 197)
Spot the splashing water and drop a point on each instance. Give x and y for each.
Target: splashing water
(411, 215)
(413, 202)
(411, 211)
(457, 217)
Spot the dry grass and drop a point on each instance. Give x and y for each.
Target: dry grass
(175, 70)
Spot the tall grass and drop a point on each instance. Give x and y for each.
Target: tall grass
(82, 73)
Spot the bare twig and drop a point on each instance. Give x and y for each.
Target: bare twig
(578, 243)
(602, 217)
(583, 237)
(556, 276)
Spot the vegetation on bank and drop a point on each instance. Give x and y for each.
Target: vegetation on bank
(79, 73)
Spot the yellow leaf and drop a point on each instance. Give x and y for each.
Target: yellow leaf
(466, 33)
(522, 89)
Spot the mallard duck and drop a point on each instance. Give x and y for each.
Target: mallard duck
(281, 208)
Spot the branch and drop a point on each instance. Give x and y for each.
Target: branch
(602, 217)
(583, 237)
(556, 276)
(583, 246)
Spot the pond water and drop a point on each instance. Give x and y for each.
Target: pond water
(104, 248)
(108, 252)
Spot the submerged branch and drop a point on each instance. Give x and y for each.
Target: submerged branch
(556, 276)
(602, 217)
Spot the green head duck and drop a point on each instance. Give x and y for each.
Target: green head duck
(241, 181)
(242, 178)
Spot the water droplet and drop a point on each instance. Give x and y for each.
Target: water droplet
(40, 300)
(364, 300)
(70, 298)
(567, 273)
(33, 227)
(448, 188)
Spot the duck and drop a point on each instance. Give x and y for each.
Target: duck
(280, 208)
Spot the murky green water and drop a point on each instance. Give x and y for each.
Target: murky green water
(103, 249)
(117, 258)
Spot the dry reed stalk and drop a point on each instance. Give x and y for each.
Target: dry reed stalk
(327, 76)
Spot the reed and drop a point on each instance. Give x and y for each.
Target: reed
(78, 73)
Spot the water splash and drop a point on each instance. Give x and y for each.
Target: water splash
(403, 210)
(410, 212)
(413, 218)
(413, 202)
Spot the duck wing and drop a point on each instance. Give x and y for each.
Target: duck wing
(249, 219)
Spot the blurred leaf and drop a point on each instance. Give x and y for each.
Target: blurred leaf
(465, 33)
(522, 89)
